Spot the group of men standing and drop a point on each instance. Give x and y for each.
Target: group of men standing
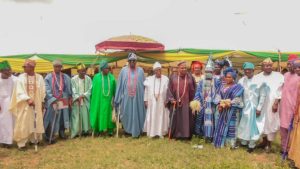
(216, 106)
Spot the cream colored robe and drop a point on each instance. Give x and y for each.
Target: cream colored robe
(24, 114)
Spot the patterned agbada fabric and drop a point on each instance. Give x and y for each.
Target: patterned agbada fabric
(27, 87)
(294, 152)
(130, 99)
(53, 87)
(103, 91)
(183, 120)
(80, 121)
(226, 126)
(205, 121)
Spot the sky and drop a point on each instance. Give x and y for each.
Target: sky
(76, 26)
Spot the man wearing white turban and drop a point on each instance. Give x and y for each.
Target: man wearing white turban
(157, 116)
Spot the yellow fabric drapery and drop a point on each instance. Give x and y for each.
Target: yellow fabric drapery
(42, 66)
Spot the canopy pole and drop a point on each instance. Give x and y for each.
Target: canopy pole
(279, 61)
(169, 70)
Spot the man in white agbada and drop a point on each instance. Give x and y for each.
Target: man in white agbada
(252, 122)
(27, 99)
(7, 82)
(274, 82)
(157, 117)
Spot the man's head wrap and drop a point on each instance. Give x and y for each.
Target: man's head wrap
(57, 63)
(4, 65)
(248, 65)
(132, 56)
(156, 65)
(181, 62)
(29, 62)
(103, 65)
(80, 66)
(296, 63)
(267, 61)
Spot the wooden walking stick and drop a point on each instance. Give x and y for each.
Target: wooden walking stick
(53, 122)
(80, 118)
(279, 60)
(34, 133)
(171, 122)
(118, 122)
(285, 151)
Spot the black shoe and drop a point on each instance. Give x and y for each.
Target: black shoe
(268, 149)
(292, 165)
(8, 146)
(250, 150)
(63, 137)
(52, 142)
(261, 146)
(208, 140)
(234, 147)
(22, 148)
(242, 145)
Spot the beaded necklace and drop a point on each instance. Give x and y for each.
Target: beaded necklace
(28, 85)
(108, 83)
(81, 99)
(184, 88)
(60, 85)
(132, 88)
(157, 95)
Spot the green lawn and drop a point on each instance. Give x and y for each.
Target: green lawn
(139, 153)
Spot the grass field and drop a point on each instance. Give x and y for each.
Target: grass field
(130, 153)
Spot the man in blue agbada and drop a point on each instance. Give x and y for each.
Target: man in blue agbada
(58, 101)
(130, 97)
(251, 125)
(205, 94)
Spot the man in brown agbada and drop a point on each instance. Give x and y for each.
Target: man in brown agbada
(181, 91)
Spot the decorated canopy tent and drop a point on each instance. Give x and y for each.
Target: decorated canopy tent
(130, 43)
(44, 61)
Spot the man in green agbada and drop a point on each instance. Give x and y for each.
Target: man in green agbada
(81, 92)
(103, 91)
